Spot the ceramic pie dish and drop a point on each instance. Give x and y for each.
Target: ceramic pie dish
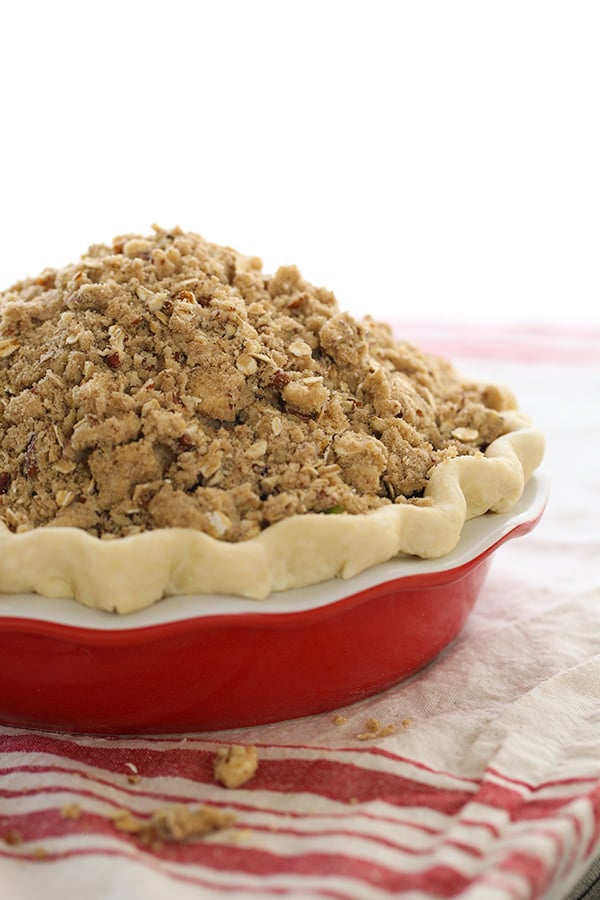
(221, 496)
(194, 663)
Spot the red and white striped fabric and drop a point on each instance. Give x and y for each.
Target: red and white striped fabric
(492, 792)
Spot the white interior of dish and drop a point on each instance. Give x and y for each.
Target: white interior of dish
(477, 536)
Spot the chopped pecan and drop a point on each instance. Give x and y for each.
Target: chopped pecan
(185, 441)
(46, 279)
(186, 296)
(30, 466)
(113, 360)
(301, 414)
(279, 379)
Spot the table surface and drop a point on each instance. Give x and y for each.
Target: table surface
(489, 787)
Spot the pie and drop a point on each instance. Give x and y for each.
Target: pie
(175, 421)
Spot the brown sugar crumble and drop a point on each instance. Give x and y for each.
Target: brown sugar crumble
(173, 823)
(374, 730)
(235, 765)
(71, 811)
(165, 381)
(12, 837)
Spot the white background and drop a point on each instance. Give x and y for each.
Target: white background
(422, 159)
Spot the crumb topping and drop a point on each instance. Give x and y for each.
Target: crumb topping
(165, 381)
(235, 765)
(374, 730)
(173, 823)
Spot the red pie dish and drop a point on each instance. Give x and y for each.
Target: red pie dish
(196, 663)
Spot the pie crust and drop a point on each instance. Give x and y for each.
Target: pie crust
(130, 573)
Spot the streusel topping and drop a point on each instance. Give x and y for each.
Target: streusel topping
(165, 381)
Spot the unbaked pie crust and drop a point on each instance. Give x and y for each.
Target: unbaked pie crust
(130, 573)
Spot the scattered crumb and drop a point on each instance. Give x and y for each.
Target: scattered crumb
(174, 823)
(39, 853)
(406, 723)
(386, 731)
(374, 730)
(134, 777)
(235, 765)
(12, 837)
(353, 801)
(71, 811)
(124, 821)
(339, 719)
(242, 834)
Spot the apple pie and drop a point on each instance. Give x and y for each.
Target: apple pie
(174, 420)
